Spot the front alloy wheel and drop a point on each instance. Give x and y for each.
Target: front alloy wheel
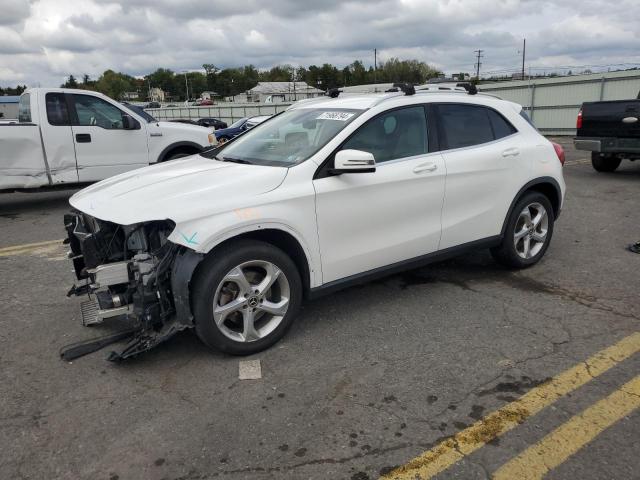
(251, 300)
(245, 295)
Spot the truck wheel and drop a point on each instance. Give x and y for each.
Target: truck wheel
(604, 163)
(528, 233)
(245, 297)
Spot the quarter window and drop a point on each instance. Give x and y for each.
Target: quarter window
(57, 112)
(501, 127)
(468, 125)
(396, 134)
(93, 111)
(24, 108)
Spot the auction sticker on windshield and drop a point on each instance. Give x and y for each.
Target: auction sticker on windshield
(341, 116)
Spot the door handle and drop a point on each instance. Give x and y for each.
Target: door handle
(511, 152)
(83, 138)
(425, 167)
(629, 119)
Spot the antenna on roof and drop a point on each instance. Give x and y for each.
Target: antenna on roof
(469, 87)
(407, 88)
(334, 92)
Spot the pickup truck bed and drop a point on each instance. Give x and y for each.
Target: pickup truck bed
(24, 157)
(611, 131)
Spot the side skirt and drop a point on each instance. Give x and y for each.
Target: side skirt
(404, 265)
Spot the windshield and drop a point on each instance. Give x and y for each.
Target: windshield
(238, 123)
(287, 139)
(140, 111)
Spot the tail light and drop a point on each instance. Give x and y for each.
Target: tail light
(579, 120)
(559, 151)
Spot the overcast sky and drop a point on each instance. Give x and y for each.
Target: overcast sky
(43, 41)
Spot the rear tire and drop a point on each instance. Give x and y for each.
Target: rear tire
(604, 163)
(245, 297)
(528, 232)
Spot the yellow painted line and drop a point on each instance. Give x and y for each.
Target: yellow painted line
(28, 248)
(537, 460)
(467, 441)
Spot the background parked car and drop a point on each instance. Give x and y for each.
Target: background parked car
(153, 105)
(214, 123)
(239, 127)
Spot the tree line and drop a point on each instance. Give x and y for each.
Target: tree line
(228, 82)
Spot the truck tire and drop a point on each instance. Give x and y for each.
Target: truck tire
(245, 297)
(528, 232)
(604, 163)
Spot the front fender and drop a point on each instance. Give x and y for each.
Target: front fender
(204, 237)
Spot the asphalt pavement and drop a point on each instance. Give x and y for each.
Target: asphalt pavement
(461, 370)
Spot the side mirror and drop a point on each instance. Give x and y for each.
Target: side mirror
(353, 161)
(129, 123)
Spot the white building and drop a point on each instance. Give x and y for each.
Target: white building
(156, 95)
(9, 106)
(276, 92)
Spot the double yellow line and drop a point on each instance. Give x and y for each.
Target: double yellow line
(556, 447)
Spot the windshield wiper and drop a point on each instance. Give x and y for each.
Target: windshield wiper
(237, 160)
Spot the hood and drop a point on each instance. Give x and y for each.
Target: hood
(184, 127)
(180, 190)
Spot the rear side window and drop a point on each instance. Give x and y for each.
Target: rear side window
(465, 125)
(395, 134)
(57, 112)
(468, 125)
(24, 108)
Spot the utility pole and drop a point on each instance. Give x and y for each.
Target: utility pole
(478, 63)
(186, 86)
(375, 65)
(524, 49)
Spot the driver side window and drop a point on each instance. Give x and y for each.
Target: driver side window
(395, 134)
(93, 111)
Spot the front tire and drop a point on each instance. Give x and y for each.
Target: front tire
(528, 233)
(604, 163)
(246, 296)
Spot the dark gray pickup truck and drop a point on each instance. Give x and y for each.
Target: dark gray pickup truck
(610, 131)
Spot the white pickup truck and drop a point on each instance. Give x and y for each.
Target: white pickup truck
(68, 136)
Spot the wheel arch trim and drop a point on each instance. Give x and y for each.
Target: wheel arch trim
(556, 203)
(164, 153)
(311, 277)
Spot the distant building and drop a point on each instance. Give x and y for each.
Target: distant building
(9, 106)
(156, 95)
(275, 92)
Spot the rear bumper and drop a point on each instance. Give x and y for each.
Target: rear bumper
(608, 145)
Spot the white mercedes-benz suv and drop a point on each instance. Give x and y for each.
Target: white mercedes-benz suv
(330, 192)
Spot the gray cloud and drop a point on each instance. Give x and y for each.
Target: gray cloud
(45, 40)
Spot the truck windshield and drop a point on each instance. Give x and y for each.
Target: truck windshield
(286, 139)
(140, 111)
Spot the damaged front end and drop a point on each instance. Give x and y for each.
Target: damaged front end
(132, 272)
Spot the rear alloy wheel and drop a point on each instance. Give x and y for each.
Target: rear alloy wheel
(604, 163)
(528, 232)
(245, 297)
